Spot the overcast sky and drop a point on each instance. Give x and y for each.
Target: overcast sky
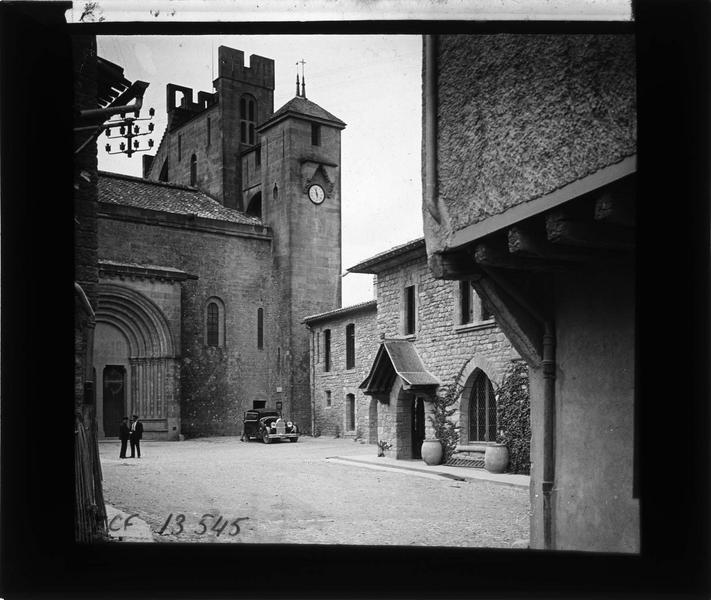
(372, 82)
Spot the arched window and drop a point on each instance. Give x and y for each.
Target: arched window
(247, 112)
(213, 325)
(482, 410)
(193, 170)
(214, 322)
(255, 206)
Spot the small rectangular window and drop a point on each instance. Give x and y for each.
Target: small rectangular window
(466, 312)
(326, 349)
(180, 147)
(328, 398)
(260, 328)
(258, 157)
(350, 346)
(315, 134)
(410, 310)
(208, 131)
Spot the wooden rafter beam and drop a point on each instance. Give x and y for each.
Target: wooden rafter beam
(495, 253)
(564, 228)
(455, 266)
(617, 209)
(529, 240)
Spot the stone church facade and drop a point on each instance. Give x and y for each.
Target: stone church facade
(420, 335)
(208, 263)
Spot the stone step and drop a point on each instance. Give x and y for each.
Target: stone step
(468, 460)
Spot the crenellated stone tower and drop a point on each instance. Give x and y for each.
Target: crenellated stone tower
(282, 168)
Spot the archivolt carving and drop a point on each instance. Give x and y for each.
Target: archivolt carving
(138, 318)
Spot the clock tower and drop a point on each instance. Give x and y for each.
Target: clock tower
(301, 203)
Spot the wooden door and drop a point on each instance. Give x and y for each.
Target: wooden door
(418, 426)
(114, 398)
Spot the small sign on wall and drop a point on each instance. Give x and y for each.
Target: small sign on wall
(278, 388)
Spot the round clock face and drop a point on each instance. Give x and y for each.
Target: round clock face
(316, 194)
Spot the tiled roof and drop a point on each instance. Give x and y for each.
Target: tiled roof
(115, 188)
(341, 311)
(374, 263)
(399, 357)
(302, 106)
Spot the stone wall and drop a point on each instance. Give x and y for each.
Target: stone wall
(444, 346)
(339, 380)
(594, 507)
(218, 383)
(307, 243)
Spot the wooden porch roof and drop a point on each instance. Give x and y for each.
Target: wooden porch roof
(398, 358)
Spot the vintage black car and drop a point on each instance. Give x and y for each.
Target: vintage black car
(267, 425)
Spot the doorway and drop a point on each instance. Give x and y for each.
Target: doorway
(113, 398)
(418, 426)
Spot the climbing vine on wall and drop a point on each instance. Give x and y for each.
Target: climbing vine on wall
(513, 411)
(444, 406)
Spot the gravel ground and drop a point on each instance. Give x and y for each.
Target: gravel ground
(286, 492)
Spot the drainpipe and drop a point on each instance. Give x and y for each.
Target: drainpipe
(430, 128)
(312, 365)
(548, 365)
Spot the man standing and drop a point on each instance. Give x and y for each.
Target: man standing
(124, 434)
(136, 435)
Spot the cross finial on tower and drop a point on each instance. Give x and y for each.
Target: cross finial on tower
(303, 78)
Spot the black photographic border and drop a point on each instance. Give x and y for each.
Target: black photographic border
(38, 553)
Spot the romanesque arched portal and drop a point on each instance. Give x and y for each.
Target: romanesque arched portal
(133, 337)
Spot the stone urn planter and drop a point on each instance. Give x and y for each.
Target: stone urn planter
(432, 451)
(496, 458)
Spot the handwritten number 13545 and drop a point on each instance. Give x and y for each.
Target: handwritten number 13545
(218, 526)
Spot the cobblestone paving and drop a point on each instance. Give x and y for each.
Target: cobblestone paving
(285, 492)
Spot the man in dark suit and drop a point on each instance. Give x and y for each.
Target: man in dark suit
(124, 434)
(136, 435)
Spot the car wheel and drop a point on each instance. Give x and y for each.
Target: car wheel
(265, 437)
(293, 439)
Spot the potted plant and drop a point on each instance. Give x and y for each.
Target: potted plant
(446, 432)
(383, 446)
(431, 451)
(496, 458)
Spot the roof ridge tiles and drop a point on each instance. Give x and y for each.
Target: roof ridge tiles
(177, 186)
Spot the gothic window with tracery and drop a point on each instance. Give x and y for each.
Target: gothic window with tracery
(482, 410)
